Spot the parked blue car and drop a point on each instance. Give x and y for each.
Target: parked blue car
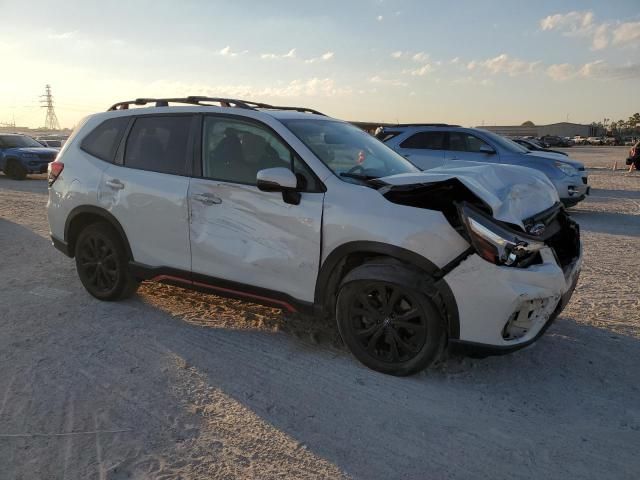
(21, 155)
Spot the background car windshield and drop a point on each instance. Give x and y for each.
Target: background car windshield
(345, 148)
(19, 141)
(505, 143)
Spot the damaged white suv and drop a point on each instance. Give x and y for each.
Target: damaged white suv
(287, 207)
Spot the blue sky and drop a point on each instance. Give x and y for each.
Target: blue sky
(379, 60)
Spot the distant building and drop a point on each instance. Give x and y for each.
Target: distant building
(562, 129)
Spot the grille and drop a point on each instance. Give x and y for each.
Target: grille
(565, 243)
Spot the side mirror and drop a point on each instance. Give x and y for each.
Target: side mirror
(279, 179)
(276, 179)
(487, 150)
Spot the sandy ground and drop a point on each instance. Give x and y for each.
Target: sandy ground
(174, 384)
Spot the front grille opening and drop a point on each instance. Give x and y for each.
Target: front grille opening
(565, 243)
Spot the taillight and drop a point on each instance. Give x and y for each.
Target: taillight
(54, 170)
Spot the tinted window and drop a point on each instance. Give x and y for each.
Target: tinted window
(103, 141)
(425, 140)
(159, 144)
(463, 142)
(19, 141)
(235, 150)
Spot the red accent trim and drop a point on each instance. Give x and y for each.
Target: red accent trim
(273, 301)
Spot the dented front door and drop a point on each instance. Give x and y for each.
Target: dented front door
(242, 234)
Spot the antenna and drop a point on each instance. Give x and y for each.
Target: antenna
(51, 120)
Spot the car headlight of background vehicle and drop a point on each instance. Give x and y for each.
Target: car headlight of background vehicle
(497, 244)
(566, 168)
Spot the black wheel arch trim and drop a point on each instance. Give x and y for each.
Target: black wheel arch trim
(100, 212)
(339, 254)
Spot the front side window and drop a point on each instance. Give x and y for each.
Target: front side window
(349, 152)
(103, 141)
(463, 142)
(425, 141)
(235, 150)
(159, 144)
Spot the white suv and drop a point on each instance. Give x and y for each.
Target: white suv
(290, 208)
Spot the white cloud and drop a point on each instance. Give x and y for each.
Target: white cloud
(503, 63)
(227, 52)
(322, 58)
(454, 61)
(561, 71)
(419, 72)
(471, 80)
(583, 24)
(377, 79)
(62, 35)
(598, 69)
(379, 18)
(418, 57)
(272, 56)
(626, 33)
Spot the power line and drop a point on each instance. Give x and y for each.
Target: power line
(51, 120)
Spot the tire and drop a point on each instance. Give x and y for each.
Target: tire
(102, 263)
(15, 170)
(387, 320)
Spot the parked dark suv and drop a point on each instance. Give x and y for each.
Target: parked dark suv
(21, 155)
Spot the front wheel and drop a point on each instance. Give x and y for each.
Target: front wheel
(102, 263)
(15, 170)
(390, 327)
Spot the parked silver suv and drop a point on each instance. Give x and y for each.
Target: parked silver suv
(436, 145)
(290, 208)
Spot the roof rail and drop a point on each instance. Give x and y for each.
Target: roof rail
(199, 100)
(423, 125)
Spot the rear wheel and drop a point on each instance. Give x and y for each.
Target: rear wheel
(102, 263)
(15, 170)
(388, 325)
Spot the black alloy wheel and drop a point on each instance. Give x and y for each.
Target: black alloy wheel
(102, 263)
(390, 327)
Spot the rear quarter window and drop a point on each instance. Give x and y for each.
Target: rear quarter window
(103, 140)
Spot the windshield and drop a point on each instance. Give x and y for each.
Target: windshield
(18, 141)
(348, 151)
(505, 143)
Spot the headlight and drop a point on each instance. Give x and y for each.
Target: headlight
(566, 168)
(497, 244)
(29, 156)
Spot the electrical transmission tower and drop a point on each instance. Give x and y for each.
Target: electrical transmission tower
(51, 121)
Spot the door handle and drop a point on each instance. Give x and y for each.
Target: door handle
(207, 199)
(115, 184)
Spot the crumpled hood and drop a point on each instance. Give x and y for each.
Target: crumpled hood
(514, 193)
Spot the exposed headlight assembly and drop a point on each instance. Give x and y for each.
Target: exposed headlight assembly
(497, 244)
(566, 168)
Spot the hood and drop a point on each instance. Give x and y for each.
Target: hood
(557, 156)
(513, 193)
(40, 151)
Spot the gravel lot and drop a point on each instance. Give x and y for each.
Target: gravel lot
(175, 384)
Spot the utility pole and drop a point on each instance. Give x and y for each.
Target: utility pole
(51, 120)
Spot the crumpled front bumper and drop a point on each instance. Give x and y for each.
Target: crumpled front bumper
(489, 297)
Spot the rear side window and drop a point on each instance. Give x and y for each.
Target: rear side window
(160, 144)
(103, 141)
(425, 141)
